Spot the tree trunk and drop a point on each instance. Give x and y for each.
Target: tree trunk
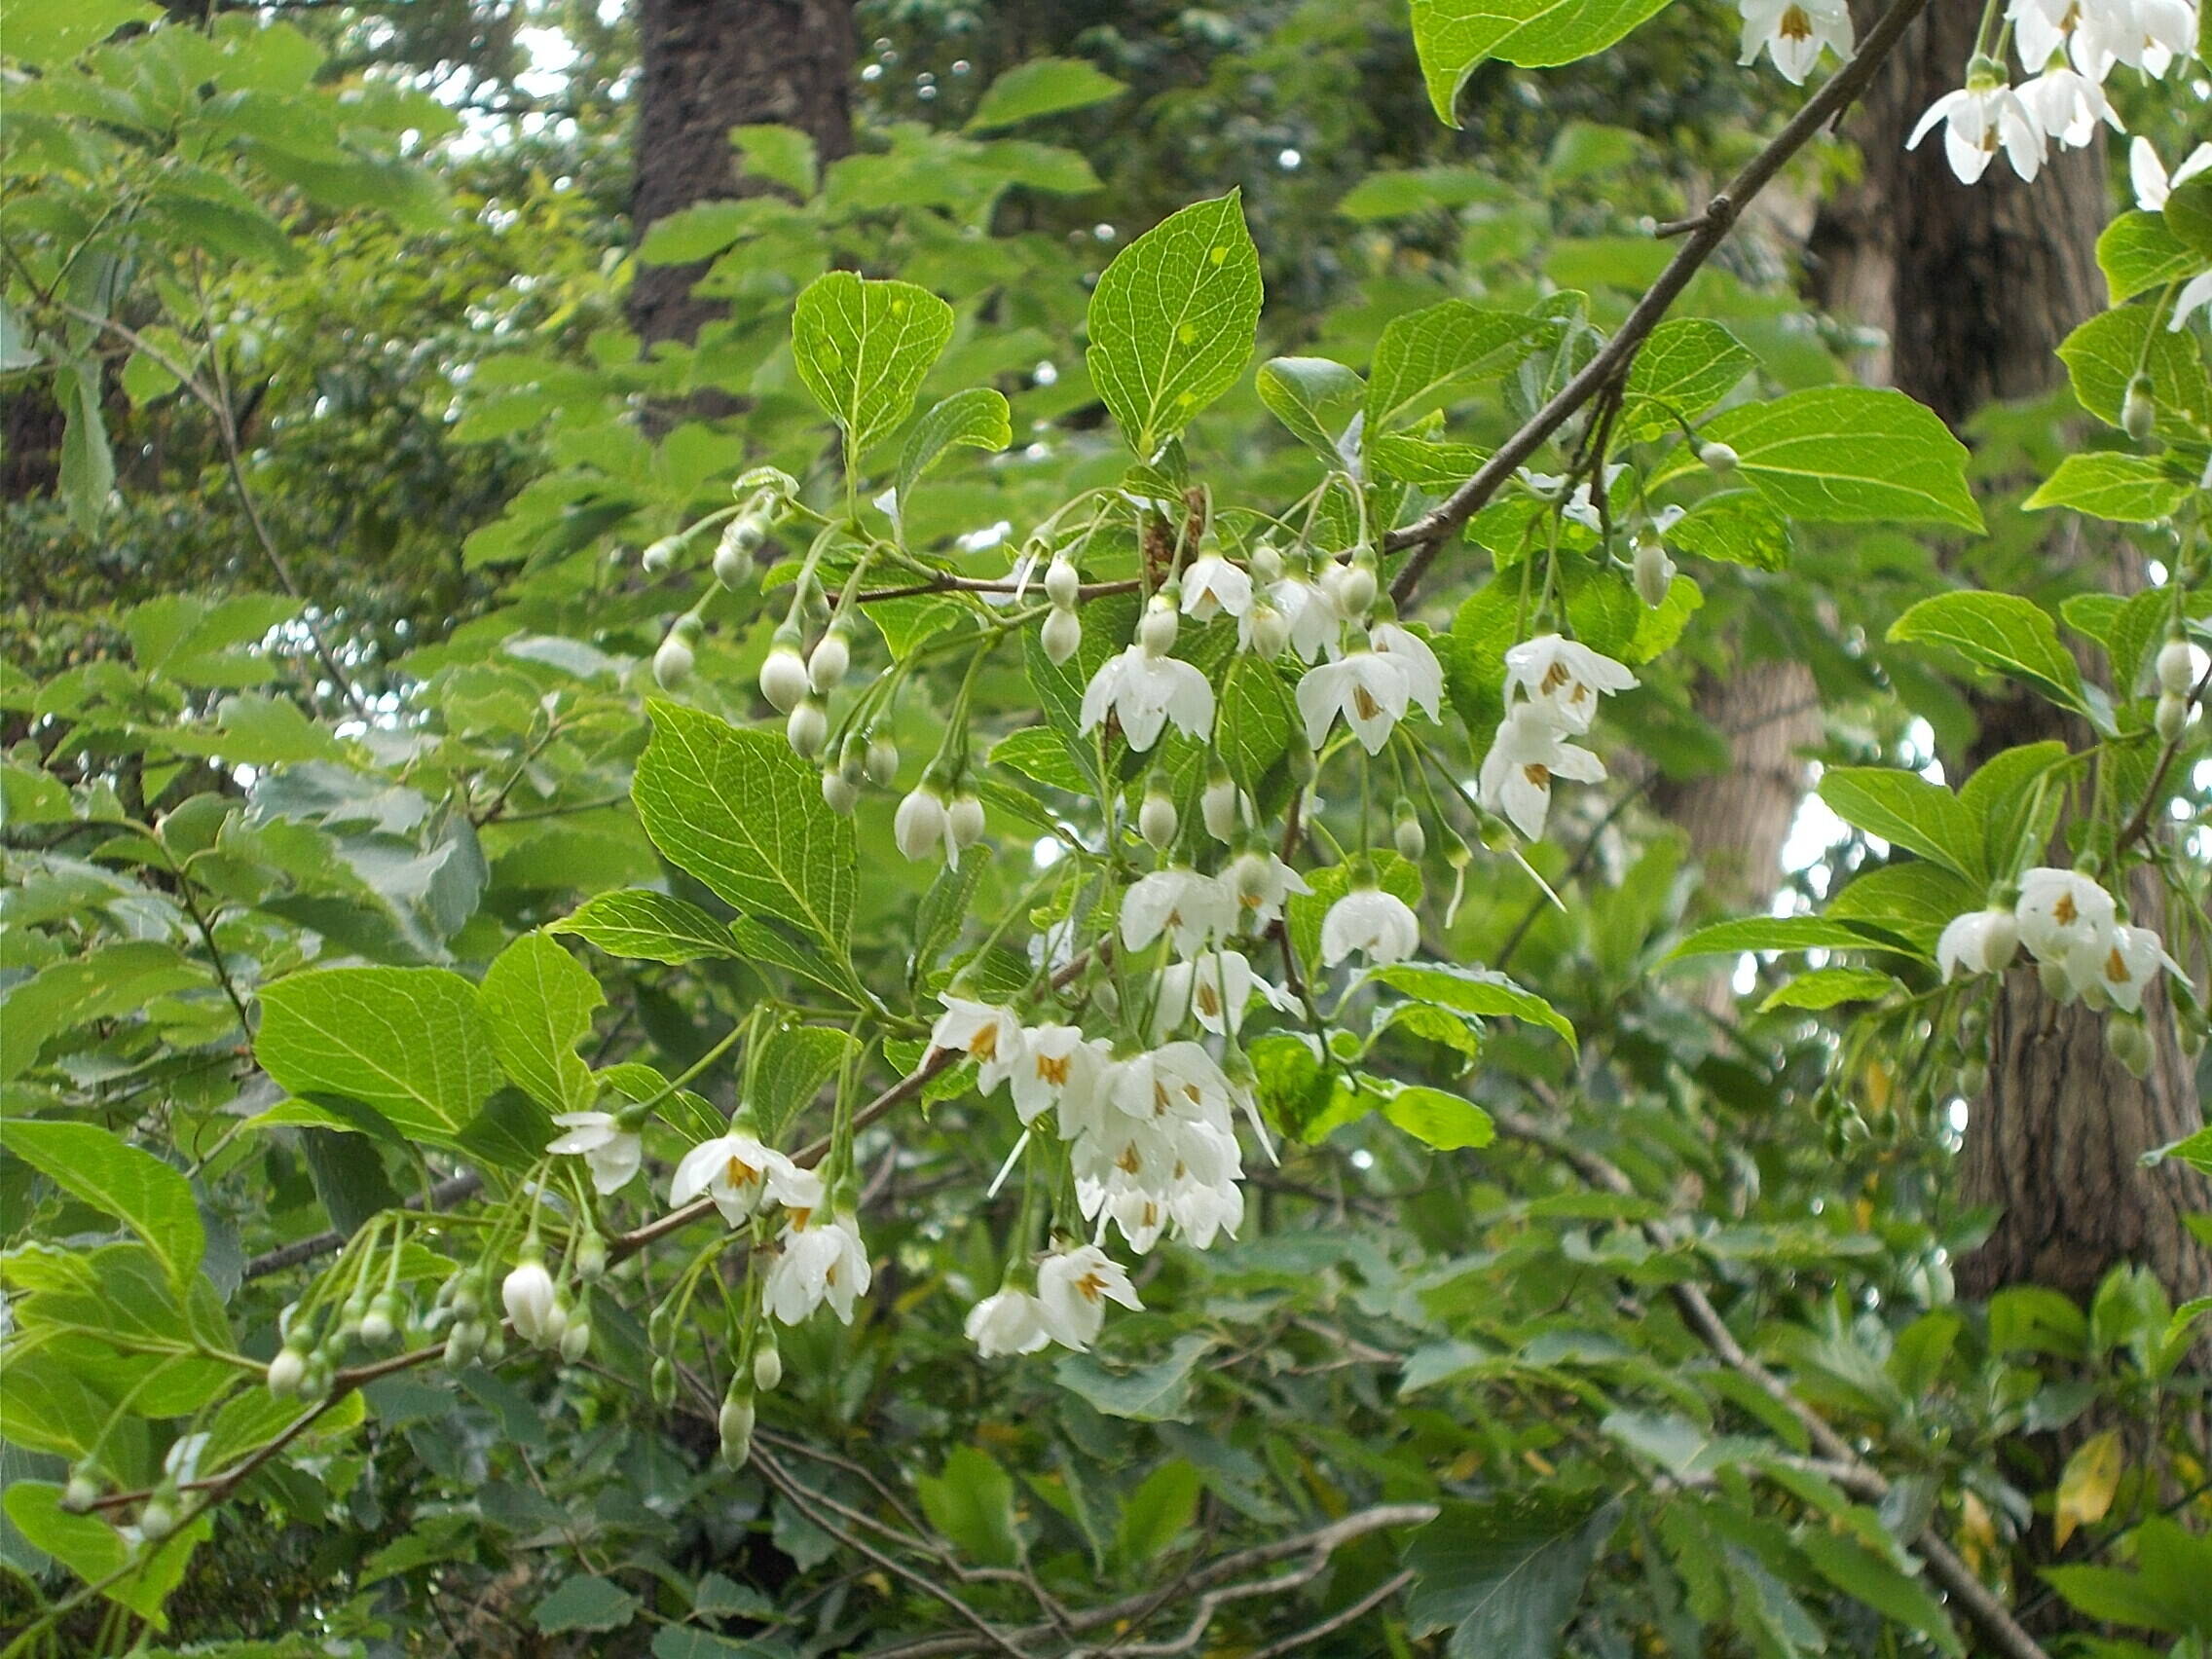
(709, 65)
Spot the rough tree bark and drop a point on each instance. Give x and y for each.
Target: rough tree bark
(704, 67)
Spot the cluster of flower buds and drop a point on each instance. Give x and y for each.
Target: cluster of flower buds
(2176, 668)
(938, 818)
(1062, 633)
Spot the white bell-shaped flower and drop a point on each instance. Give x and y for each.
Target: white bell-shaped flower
(1190, 908)
(1144, 692)
(740, 1175)
(1565, 678)
(1380, 926)
(610, 1151)
(1369, 688)
(987, 1034)
(1979, 941)
(1073, 1288)
(1009, 1322)
(821, 1260)
(1526, 754)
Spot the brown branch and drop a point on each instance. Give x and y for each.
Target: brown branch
(1426, 534)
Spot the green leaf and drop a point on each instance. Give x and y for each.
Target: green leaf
(1436, 1119)
(864, 346)
(1172, 320)
(130, 1183)
(2138, 251)
(977, 418)
(1159, 1392)
(1397, 194)
(2102, 357)
(1685, 367)
(1908, 811)
(782, 155)
(586, 1602)
(1736, 527)
(1999, 630)
(760, 945)
(653, 927)
(793, 1063)
(54, 31)
(2001, 794)
(1314, 397)
(1911, 902)
(2188, 216)
(1455, 37)
(2126, 488)
(746, 816)
(87, 464)
(410, 1041)
(1828, 987)
(972, 1503)
(95, 1552)
(538, 1002)
(1427, 356)
(1858, 1570)
(694, 233)
(1848, 454)
(1160, 1511)
(1507, 1574)
(1044, 86)
(1775, 933)
(1472, 990)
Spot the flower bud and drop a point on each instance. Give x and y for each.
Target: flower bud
(1061, 583)
(1718, 457)
(2177, 668)
(1218, 804)
(660, 556)
(832, 656)
(380, 1324)
(2172, 716)
(576, 1341)
(662, 1383)
(963, 821)
(919, 824)
(671, 664)
(82, 1492)
(783, 677)
(1406, 832)
(2139, 409)
(158, 1520)
(1654, 571)
(807, 728)
(495, 1348)
(1265, 564)
(840, 792)
(591, 1258)
(767, 1366)
(882, 761)
(1156, 818)
(1156, 629)
(463, 1342)
(1269, 630)
(1062, 634)
(735, 1422)
(2130, 1044)
(285, 1372)
(530, 1298)
(1355, 588)
(741, 536)
(2052, 976)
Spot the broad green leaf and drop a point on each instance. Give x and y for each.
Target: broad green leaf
(1394, 195)
(87, 462)
(96, 1553)
(2126, 488)
(1434, 1118)
(1433, 465)
(1172, 320)
(1908, 810)
(538, 1002)
(746, 816)
(1159, 1392)
(2188, 216)
(977, 418)
(653, 927)
(124, 1181)
(1313, 396)
(1776, 933)
(2138, 251)
(1044, 86)
(863, 347)
(2003, 791)
(1455, 37)
(1685, 367)
(1505, 1576)
(2103, 356)
(1999, 631)
(1736, 527)
(42, 32)
(783, 154)
(1160, 1511)
(795, 1061)
(1858, 1570)
(1830, 988)
(409, 1042)
(1427, 356)
(694, 233)
(761, 946)
(972, 1503)
(1472, 990)
(1845, 455)
(1909, 902)
(584, 1601)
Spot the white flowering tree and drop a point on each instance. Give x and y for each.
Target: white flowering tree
(995, 1044)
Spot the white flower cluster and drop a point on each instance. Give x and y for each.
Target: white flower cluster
(1559, 682)
(2070, 927)
(2068, 48)
(820, 1259)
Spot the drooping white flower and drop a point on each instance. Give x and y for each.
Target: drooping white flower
(1144, 691)
(1378, 925)
(1526, 754)
(820, 1262)
(1215, 989)
(1794, 32)
(1979, 941)
(987, 1034)
(1200, 1212)
(1565, 678)
(2143, 34)
(611, 1152)
(2130, 960)
(1008, 1322)
(1258, 884)
(1073, 1288)
(1979, 121)
(1178, 1080)
(530, 1298)
(2068, 106)
(1212, 585)
(1059, 1065)
(1425, 675)
(921, 825)
(740, 1175)
(1368, 688)
(1315, 623)
(1190, 908)
(2148, 175)
(2063, 914)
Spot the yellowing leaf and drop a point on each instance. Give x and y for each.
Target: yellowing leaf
(2087, 1486)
